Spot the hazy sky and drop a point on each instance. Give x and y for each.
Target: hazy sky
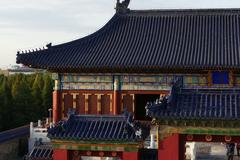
(29, 24)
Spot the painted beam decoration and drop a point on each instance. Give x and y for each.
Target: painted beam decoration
(69, 81)
(165, 130)
(200, 134)
(108, 147)
(145, 82)
(86, 82)
(195, 81)
(237, 80)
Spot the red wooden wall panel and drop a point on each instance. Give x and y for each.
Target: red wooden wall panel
(68, 103)
(105, 104)
(128, 102)
(92, 104)
(80, 104)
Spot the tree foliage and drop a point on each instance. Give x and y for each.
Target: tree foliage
(24, 98)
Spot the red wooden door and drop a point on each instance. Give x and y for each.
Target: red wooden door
(68, 103)
(92, 104)
(105, 104)
(128, 102)
(80, 104)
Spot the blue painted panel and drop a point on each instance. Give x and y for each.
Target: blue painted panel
(220, 77)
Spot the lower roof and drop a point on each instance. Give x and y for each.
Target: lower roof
(96, 128)
(42, 152)
(220, 105)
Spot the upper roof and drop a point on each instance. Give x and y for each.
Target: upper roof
(149, 41)
(96, 128)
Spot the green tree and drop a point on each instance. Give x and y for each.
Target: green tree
(24, 98)
(23, 101)
(1, 78)
(36, 90)
(5, 102)
(16, 85)
(47, 93)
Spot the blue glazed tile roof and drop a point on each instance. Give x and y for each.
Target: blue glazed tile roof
(199, 104)
(149, 41)
(43, 152)
(98, 128)
(14, 133)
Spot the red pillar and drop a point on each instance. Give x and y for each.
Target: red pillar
(172, 148)
(60, 154)
(130, 156)
(115, 95)
(115, 101)
(56, 106)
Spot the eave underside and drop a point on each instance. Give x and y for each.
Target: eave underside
(140, 70)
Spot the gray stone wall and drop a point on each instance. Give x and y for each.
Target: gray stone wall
(13, 149)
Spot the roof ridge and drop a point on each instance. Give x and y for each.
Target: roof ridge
(197, 11)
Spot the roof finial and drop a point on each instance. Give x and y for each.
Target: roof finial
(122, 7)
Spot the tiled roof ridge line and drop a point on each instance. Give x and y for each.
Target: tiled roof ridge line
(197, 11)
(31, 50)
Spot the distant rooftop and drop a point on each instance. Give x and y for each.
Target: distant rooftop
(17, 68)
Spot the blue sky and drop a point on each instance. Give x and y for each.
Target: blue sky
(29, 24)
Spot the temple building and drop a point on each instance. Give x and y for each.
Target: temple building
(176, 68)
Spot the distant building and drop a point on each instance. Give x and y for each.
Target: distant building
(4, 72)
(16, 69)
(22, 69)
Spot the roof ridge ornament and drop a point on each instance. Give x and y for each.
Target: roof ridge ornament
(49, 45)
(122, 7)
